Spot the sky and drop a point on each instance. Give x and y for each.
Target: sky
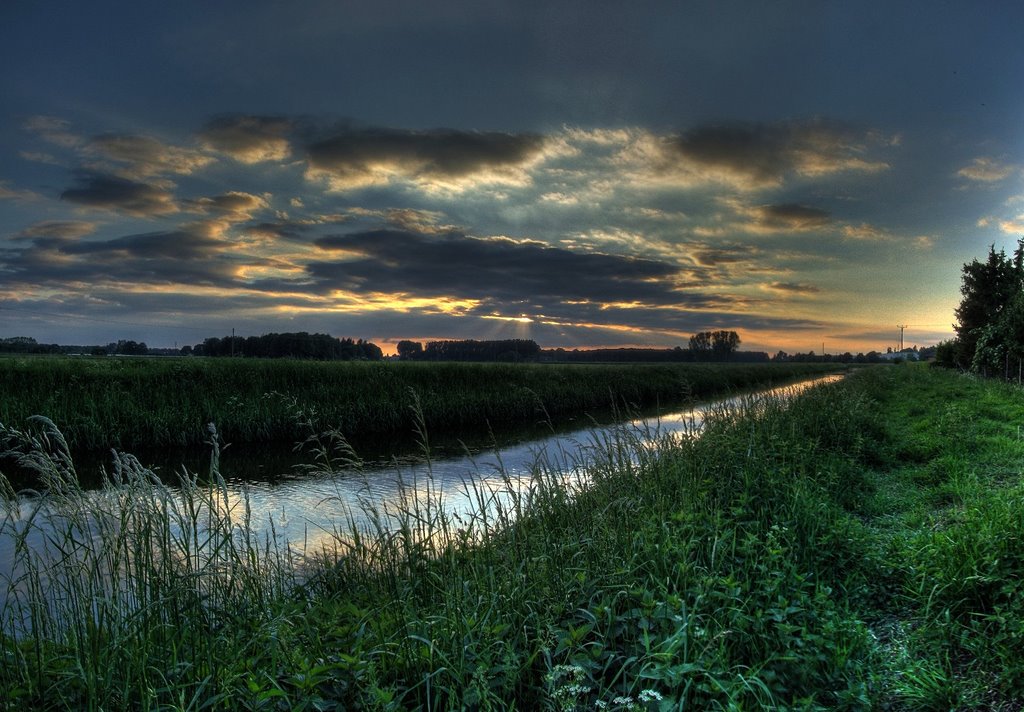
(585, 174)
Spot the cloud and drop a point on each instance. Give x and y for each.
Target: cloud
(507, 271)
(1013, 225)
(53, 130)
(790, 217)
(184, 256)
(40, 157)
(7, 193)
(793, 288)
(58, 228)
(358, 158)
(408, 219)
(179, 245)
(987, 170)
(712, 256)
(98, 190)
(279, 229)
(145, 156)
(864, 231)
(694, 312)
(233, 206)
(777, 217)
(249, 139)
(757, 156)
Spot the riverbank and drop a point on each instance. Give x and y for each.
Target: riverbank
(134, 403)
(860, 549)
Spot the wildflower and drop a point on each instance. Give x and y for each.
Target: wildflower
(650, 696)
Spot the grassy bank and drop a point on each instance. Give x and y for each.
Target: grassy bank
(135, 402)
(860, 549)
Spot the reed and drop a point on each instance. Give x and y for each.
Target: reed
(132, 403)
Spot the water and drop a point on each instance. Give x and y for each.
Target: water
(311, 509)
(308, 509)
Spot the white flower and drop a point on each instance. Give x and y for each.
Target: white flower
(650, 696)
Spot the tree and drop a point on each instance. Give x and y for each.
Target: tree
(409, 350)
(724, 344)
(700, 345)
(1000, 342)
(987, 288)
(719, 345)
(323, 347)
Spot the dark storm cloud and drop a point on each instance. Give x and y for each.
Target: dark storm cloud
(765, 154)
(249, 139)
(693, 312)
(100, 190)
(179, 245)
(354, 156)
(455, 265)
(181, 256)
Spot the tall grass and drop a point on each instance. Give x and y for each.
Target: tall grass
(129, 593)
(129, 403)
(788, 558)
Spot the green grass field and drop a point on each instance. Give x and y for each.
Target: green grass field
(151, 402)
(861, 548)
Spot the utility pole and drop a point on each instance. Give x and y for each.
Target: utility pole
(232, 342)
(901, 327)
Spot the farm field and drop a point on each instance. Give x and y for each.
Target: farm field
(100, 403)
(859, 548)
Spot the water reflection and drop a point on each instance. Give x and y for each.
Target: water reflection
(324, 504)
(309, 511)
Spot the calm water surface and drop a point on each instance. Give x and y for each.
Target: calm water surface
(309, 508)
(306, 508)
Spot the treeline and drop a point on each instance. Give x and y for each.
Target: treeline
(634, 355)
(990, 319)
(910, 354)
(302, 345)
(707, 346)
(28, 345)
(504, 350)
(704, 346)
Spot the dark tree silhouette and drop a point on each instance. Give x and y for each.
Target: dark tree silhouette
(409, 350)
(700, 344)
(724, 344)
(714, 345)
(322, 347)
(470, 350)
